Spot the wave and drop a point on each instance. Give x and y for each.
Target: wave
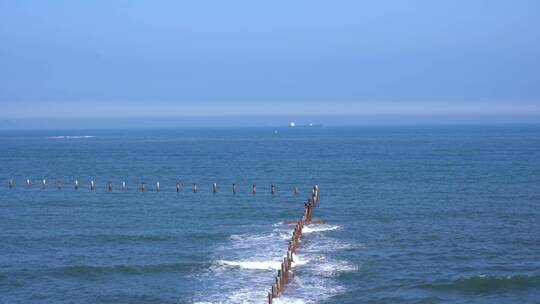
(285, 300)
(283, 234)
(319, 228)
(87, 271)
(261, 265)
(483, 283)
(333, 268)
(253, 265)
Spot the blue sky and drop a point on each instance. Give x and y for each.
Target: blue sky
(387, 59)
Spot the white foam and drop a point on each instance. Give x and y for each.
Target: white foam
(286, 300)
(249, 256)
(299, 260)
(319, 228)
(246, 295)
(332, 268)
(253, 265)
(283, 234)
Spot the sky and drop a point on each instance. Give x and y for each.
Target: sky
(218, 61)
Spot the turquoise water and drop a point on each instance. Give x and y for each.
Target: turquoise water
(412, 215)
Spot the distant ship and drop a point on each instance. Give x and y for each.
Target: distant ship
(292, 124)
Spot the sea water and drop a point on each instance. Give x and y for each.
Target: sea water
(446, 214)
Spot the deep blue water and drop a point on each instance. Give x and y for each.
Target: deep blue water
(413, 215)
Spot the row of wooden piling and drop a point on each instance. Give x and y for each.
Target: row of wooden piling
(282, 277)
(143, 186)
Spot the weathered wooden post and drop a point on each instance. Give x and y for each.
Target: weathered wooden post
(282, 277)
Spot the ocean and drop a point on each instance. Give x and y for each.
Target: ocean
(412, 214)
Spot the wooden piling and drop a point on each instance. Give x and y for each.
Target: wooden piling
(283, 273)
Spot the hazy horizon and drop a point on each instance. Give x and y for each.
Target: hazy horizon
(123, 63)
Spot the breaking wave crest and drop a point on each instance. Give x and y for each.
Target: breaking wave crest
(254, 265)
(262, 265)
(319, 228)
